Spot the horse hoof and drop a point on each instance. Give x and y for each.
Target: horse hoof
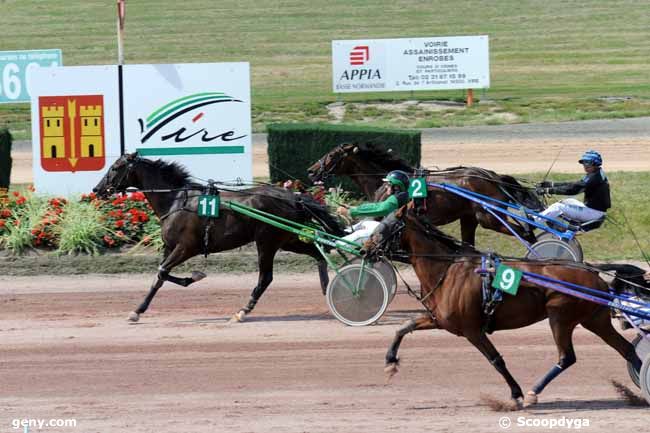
(134, 317)
(391, 370)
(238, 317)
(197, 276)
(530, 399)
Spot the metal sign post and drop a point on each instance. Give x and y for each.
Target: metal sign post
(121, 12)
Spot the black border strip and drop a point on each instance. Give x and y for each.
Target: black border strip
(120, 86)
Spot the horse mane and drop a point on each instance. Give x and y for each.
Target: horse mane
(173, 172)
(377, 154)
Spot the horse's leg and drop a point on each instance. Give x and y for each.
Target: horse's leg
(562, 326)
(468, 225)
(485, 346)
(601, 325)
(392, 360)
(170, 259)
(265, 256)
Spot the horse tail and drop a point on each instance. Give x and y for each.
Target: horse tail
(629, 273)
(320, 213)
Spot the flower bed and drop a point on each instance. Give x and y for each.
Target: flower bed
(87, 225)
(90, 225)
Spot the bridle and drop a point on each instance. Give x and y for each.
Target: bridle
(324, 173)
(123, 175)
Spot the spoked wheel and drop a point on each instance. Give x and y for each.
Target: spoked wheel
(357, 295)
(553, 249)
(573, 243)
(642, 348)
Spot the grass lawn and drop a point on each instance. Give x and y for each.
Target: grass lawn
(550, 60)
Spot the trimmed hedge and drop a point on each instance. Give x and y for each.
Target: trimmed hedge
(293, 147)
(5, 157)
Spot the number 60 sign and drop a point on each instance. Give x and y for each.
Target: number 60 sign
(15, 69)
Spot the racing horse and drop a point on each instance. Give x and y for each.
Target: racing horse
(174, 199)
(451, 292)
(366, 164)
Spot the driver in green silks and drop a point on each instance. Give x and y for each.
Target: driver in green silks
(399, 183)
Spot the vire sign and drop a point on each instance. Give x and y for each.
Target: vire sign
(182, 113)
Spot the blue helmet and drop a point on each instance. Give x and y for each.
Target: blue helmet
(591, 157)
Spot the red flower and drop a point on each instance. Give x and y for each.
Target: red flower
(6, 213)
(16, 193)
(2, 223)
(119, 223)
(119, 234)
(21, 200)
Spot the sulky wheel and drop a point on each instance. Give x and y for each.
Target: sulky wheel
(642, 348)
(388, 273)
(357, 295)
(553, 249)
(634, 374)
(644, 378)
(573, 243)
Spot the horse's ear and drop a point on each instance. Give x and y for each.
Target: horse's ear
(132, 156)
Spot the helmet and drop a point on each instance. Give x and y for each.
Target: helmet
(397, 178)
(591, 157)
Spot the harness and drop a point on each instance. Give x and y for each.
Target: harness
(491, 298)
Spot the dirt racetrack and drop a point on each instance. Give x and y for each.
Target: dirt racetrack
(69, 353)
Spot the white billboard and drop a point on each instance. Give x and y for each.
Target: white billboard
(436, 63)
(75, 127)
(196, 114)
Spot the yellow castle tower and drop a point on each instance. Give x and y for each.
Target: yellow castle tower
(53, 139)
(91, 131)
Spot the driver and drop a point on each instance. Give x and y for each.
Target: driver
(595, 186)
(399, 182)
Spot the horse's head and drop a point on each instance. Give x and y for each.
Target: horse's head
(331, 162)
(119, 176)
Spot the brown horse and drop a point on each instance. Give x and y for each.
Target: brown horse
(367, 164)
(174, 199)
(451, 291)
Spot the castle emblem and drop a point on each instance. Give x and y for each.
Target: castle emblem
(72, 132)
